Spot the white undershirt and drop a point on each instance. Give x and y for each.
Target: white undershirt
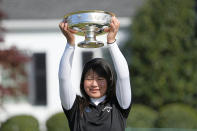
(123, 88)
(96, 101)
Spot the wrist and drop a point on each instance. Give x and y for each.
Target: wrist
(72, 43)
(111, 41)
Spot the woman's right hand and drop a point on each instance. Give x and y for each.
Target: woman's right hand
(68, 33)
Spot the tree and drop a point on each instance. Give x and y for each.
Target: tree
(13, 77)
(162, 52)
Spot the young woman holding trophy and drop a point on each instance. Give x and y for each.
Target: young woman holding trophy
(105, 102)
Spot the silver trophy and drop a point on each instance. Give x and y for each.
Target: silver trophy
(89, 23)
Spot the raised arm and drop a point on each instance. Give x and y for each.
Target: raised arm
(67, 91)
(123, 88)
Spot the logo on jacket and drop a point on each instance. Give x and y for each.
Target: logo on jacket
(87, 109)
(107, 108)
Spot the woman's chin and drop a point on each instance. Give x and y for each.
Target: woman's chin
(95, 95)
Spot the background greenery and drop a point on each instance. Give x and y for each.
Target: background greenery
(177, 116)
(20, 123)
(162, 53)
(57, 122)
(142, 116)
(162, 57)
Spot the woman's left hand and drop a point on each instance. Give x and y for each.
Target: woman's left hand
(112, 30)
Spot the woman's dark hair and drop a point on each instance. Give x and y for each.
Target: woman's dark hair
(103, 69)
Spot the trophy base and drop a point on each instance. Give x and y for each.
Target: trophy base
(90, 44)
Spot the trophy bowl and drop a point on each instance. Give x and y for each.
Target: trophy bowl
(89, 23)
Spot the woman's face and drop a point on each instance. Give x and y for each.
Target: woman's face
(94, 85)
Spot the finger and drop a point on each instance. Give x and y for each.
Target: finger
(112, 25)
(72, 31)
(117, 23)
(61, 25)
(66, 26)
(113, 18)
(106, 29)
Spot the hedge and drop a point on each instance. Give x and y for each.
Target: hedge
(142, 116)
(57, 122)
(177, 116)
(20, 123)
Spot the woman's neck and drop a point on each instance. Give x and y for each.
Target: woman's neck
(96, 101)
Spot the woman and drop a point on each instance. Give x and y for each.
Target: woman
(105, 102)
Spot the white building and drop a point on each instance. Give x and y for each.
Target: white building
(36, 31)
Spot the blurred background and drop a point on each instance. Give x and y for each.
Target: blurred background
(157, 37)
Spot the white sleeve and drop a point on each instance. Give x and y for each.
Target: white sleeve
(123, 88)
(66, 89)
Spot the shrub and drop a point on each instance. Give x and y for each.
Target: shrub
(21, 123)
(177, 116)
(142, 116)
(57, 122)
(162, 53)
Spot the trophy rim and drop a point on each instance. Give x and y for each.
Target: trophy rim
(88, 11)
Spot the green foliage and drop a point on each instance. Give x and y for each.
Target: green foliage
(21, 123)
(163, 61)
(177, 116)
(142, 116)
(57, 122)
